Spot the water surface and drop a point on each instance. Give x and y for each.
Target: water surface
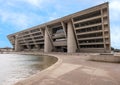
(15, 67)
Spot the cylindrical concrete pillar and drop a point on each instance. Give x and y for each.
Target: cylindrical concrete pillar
(71, 42)
(47, 44)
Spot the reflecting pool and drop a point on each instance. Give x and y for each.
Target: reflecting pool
(15, 67)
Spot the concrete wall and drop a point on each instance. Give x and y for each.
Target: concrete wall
(105, 58)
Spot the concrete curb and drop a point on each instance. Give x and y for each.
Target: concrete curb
(36, 77)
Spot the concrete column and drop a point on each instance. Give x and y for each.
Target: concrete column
(47, 44)
(71, 42)
(64, 29)
(17, 47)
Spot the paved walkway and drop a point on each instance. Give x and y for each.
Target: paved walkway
(76, 69)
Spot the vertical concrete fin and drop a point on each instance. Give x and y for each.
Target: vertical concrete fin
(42, 31)
(17, 46)
(78, 48)
(48, 44)
(108, 20)
(71, 42)
(64, 29)
(105, 21)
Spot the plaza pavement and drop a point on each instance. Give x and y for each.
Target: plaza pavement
(76, 69)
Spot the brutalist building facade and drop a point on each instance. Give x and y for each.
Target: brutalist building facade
(84, 31)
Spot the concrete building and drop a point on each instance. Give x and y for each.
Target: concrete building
(84, 31)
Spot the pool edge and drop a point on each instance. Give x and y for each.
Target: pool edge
(38, 76)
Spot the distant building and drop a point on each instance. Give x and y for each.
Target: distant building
(6, 49)
(84, 31)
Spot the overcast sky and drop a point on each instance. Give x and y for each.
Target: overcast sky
(17, 15)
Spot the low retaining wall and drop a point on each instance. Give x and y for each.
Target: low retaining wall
(106, 57)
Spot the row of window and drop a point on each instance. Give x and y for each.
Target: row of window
(36, 41)
(91, 41)
(39, 37)
(95, 28)
(90, 35)
(89, 15)
(92, 46)
(34, 30)
(35, 34)
(32, 42)
(86, 23)
(27, 32)
(29, 39)
(41, 46)
(26, 36)
(39, 41)
(24, 33)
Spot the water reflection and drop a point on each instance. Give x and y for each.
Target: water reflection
(15, 67)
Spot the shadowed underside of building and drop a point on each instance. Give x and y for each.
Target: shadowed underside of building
(84, 31)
